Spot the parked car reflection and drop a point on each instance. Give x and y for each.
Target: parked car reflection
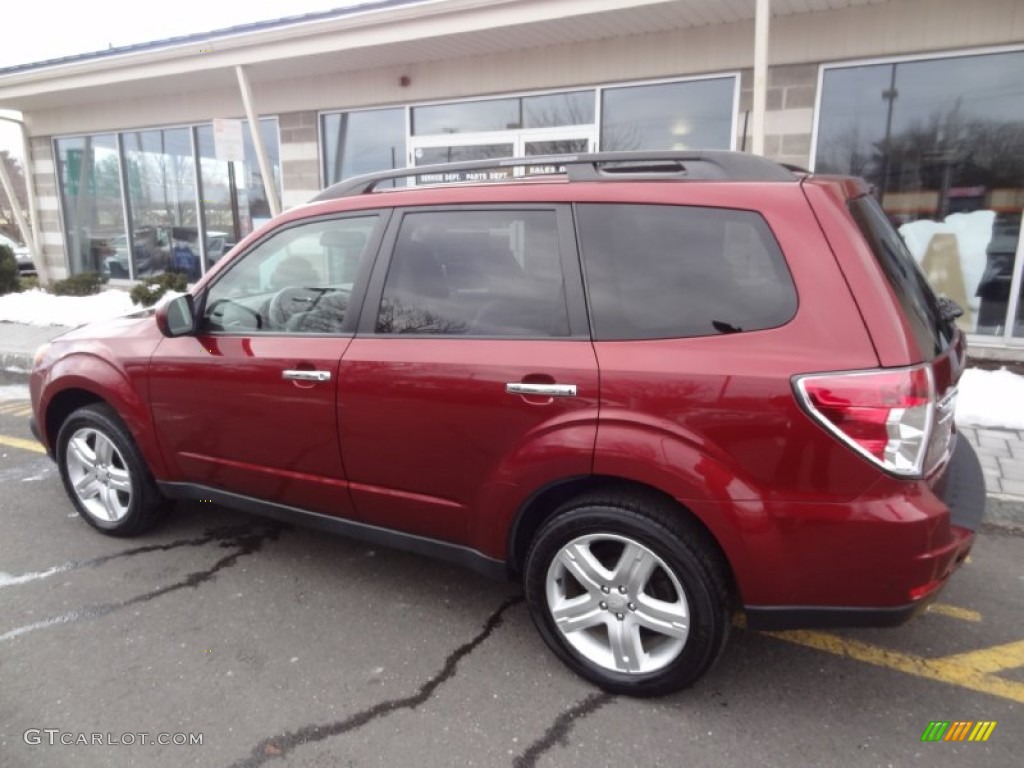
(162, 249)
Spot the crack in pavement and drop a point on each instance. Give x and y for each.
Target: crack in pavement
(247, 543)
(282, 744)
(558, 731)
(222, 533)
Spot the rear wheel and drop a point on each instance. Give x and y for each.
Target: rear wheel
(629, 592)
(105, 475)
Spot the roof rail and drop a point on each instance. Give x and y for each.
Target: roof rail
(719, 165)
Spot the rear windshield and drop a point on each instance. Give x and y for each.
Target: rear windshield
(915, 295)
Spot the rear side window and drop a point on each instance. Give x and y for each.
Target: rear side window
(915, 295)
(476, 273)
(660, 271)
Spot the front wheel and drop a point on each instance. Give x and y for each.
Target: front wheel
(105, 474)
(629, 592)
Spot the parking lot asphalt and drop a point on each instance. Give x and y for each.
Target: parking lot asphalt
(284, 647)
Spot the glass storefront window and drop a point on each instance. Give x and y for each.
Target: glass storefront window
(90, 185)
(159, 170)
(696, 114)
(355, 143)
(942, 142)
(542, 111)
(464, 153)
(553, 109)
(161, 176)
(468, 117)
(233, 197)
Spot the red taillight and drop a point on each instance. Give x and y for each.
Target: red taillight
(886, 415)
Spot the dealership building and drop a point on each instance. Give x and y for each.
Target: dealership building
(162, 155)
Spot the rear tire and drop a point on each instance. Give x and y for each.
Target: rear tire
(630, 592)
(105, 474)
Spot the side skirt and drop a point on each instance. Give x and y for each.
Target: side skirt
(420, 545)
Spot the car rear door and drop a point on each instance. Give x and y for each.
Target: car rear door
(472, 381)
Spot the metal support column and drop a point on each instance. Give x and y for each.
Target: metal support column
(269, 186)
(761, 16)
(29, 232)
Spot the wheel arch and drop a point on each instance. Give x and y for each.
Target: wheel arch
(542, 504)
(83, 380)
(62, 405)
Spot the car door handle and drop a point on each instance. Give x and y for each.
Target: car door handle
(294, 375)
(544, 390)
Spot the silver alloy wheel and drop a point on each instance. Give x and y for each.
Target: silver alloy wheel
(98, 475)
(630, 616)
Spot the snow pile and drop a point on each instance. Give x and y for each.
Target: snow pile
(955, 272)
(991, 399)
(40, 308)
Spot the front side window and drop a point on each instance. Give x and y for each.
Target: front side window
(660, 271)
(299, 280)
(475, 273)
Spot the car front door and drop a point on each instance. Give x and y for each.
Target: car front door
(472, 381)
(248, 404)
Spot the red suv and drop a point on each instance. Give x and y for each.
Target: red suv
(656, 387)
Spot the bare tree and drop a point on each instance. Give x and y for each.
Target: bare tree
(17, 173)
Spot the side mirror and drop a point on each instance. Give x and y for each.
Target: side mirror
(177, 317)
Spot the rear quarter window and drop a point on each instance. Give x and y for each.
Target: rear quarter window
(913, 292)
(665, 271)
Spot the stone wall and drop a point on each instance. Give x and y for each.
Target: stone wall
(789, 117)
(44, 180)
(300, 157)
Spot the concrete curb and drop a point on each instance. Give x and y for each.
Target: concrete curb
(1004, 511)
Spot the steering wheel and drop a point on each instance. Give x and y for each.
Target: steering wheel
(232, 324)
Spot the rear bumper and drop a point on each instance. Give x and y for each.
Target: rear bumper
(963, 488)
(919, 576)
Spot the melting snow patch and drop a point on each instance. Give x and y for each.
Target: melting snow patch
(37, 307)
(14, 392)
(991, 399)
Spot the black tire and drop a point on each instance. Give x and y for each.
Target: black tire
(688, 558)
(140, 506)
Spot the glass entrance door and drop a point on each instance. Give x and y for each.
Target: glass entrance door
(556, 141)
(454, 148)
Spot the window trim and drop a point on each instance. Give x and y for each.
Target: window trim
(359, 286)
(572, 279)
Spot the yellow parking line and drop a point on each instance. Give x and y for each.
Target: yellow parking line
(954, 611)
(993, 659)
(968, 670)
(25, 445)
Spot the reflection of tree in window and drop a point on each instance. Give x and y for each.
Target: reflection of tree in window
(397, 316)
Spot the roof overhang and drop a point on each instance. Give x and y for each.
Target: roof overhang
(383, 34)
